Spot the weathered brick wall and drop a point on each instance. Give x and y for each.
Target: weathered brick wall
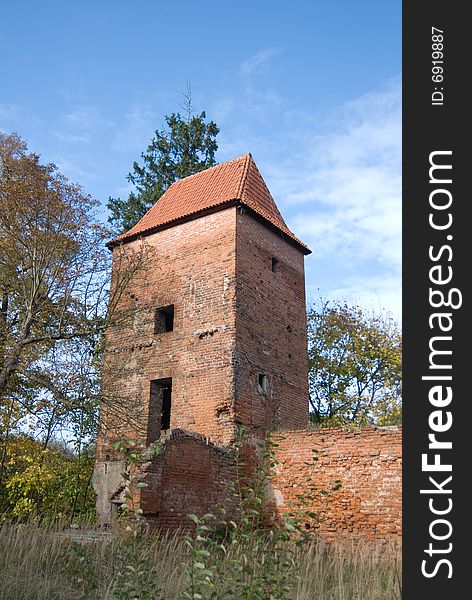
(190, 476)
(270, 329)
(234, 318)
(368, 464)
(192, 266)
(193, 475)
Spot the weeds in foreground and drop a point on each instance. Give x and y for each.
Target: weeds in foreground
(42, 564)
(221, 559)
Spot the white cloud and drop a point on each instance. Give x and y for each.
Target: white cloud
(17, 118)
(74, 169)
(342, 195)
(377, 293)
(254, 62)
(140, 122)
(338, 187)
(72, 137)
(84, 118)
(348, 191)
(81, 125)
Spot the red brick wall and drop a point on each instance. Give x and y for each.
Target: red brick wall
(270, 329)
(190, 476)
(191, 265)
(368, 464)
(234, 318)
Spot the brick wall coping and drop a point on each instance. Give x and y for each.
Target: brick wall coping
(341, 429)
(178, 434)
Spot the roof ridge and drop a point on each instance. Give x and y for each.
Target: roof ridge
(235, 181)
(273, 203)
(242, 183)
(221, 164)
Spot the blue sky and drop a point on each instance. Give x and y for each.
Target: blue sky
(311, 88)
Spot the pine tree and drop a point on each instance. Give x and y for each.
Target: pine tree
(186, 146)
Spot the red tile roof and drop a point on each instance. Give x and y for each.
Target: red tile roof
(236, 181)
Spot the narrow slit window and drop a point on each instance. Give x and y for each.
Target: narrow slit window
(262, 383)
(160, 400)
(164, 319)
(166, 404)
(275, 264)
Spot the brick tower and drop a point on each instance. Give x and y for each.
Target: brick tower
(213, 326)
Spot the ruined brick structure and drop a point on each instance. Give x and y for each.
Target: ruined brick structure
(209, 334)
(367, 463)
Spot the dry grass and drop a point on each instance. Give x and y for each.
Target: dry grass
(41, 564)
(358, 570)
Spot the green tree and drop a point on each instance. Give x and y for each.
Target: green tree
(185, 146)
(53, 264)
(50, 481)
(354, 365)
(53, 291)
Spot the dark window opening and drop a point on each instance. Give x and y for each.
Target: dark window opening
(164, 319)
(262, 383)
(275, 264)
(159, 408)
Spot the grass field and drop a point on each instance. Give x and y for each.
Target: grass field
(39, 563)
